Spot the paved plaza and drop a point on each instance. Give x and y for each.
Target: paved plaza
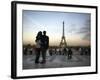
(57, 61)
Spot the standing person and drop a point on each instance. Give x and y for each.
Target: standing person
(70, 53)
(64, 51)
(45, 45)
(38, 46)
(50, 52)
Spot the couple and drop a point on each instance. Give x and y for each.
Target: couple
(42, 44)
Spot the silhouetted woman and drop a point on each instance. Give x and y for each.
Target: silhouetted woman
(38, 46)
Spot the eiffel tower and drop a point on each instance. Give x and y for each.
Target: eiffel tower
(63, 43)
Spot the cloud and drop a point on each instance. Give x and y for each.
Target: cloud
(72, 28)
(85, 31)
(87, 36)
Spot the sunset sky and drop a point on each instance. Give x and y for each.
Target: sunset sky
(77, 27)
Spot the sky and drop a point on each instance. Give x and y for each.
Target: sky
(77, 27)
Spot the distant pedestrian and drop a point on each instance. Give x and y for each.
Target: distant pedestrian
(69, 53)
(50, 52)
(64, 51)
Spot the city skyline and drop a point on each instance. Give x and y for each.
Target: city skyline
(77, 27)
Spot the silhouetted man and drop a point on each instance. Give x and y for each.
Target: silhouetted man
(45, 45)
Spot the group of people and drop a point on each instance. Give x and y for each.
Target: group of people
(42, 44)
(64, 51)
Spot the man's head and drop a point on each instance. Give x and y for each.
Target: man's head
(44, 32)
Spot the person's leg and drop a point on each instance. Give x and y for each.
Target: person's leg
(71, 56)
(68, 56)
(37, 56)
(43, 55)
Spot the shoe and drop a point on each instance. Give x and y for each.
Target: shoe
(36, 62)
(43, 62)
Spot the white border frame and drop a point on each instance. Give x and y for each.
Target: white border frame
(36, 72)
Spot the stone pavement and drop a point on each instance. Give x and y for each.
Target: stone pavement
(56, 61)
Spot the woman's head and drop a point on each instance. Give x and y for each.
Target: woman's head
(39, 33)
